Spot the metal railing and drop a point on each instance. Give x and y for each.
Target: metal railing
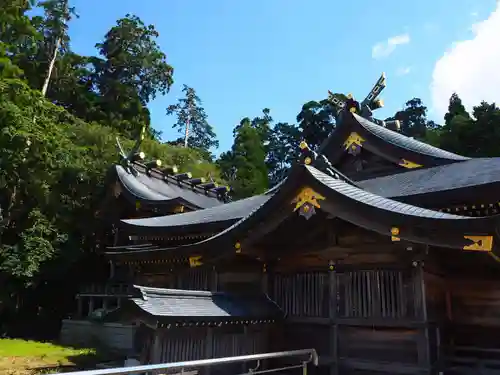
(305, 356)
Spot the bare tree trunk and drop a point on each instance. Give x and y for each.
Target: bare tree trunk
(186, 134)
(51, 67)
(54, 55)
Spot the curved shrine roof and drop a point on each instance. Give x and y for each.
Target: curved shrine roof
(227, 214)
(401, 187)
(352, 204)
(470, 173)
(384, 142)
(156, 188)
(407, 143)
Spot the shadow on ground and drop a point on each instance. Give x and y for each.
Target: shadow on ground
(84, 361)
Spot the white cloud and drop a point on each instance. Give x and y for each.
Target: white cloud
(384, 49)
(470, 68)
(475, 27)
(404, 70)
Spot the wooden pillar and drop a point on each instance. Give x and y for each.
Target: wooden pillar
(111, 269)
(215, 281)
(115, 236)
(79, 310)
(265, 281)
(421, 312)
(332, 314)
(91, 305)
(105, 303)
(244, 365)
(156, 354)
(209, 347)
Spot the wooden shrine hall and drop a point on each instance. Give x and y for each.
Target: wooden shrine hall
(377, 250)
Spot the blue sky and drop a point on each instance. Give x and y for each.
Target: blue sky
(243, 56)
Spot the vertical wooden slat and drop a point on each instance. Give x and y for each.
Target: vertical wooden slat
(359, 294)
(423, 336)
(401, 295)
(367, 306)
(394, 295)
(332, 313)
(301, 294)
(347, 287)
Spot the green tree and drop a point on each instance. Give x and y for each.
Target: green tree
(244, 166)
(475, 136)
(57, 15)
(282, 150)
(134, 59)
(455, 108)
(40, 61)
(263, 125)
(33, 157)
(133, 71)
(316, 120)
(16, 34)
(458, 127)
(413, 119)
(484, 135)
(193, 120)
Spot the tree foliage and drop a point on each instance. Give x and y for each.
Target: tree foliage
(413, 119)
(316, 120)
(477, 135)
(282, 150)
(190, 114)
(244, 166)
(55, 149)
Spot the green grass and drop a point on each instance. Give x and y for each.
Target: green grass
(22, 348)
(21, 357)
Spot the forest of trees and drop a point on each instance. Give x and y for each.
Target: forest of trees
(60, 113)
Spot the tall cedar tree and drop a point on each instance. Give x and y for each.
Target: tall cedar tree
(458, 127)
(244, 166)
(190, 112)
(133, 72)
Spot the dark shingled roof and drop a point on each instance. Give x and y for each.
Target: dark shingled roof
(157, 191)
(473, 172)
(350, 203)
(173, 303)
(229, 212)
(226, 214)
(368, 198)
(405, 142)
(384, 142)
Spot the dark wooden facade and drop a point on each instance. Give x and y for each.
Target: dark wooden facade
(378, 251)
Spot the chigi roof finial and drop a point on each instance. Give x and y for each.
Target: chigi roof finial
(365, 108)
(134, 154)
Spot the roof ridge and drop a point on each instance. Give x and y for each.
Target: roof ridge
(183, 183)
(316, 173)
(370, 125)
(145, 290)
